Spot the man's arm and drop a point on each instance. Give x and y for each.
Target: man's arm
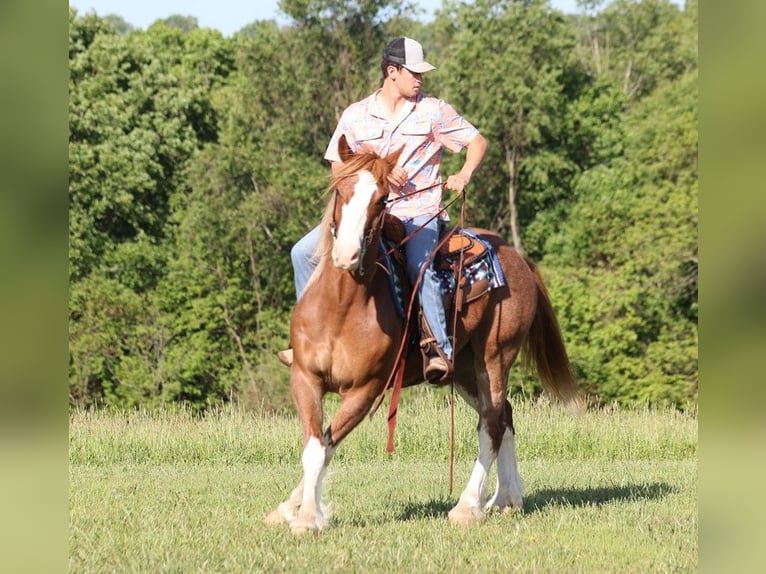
(474, 155)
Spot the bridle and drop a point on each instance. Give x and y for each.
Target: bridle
(377, 223)
(374, 228)
(397, 373)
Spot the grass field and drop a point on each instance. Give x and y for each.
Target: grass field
(609, 491)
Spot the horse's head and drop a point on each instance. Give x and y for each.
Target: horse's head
(360, 188)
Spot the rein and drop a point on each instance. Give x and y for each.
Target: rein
(406, 195)
(410, 235)
(397, 372)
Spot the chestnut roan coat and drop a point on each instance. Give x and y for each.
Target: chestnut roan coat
(345, 334)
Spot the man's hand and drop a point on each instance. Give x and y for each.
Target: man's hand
(457, 182)
(398, 178)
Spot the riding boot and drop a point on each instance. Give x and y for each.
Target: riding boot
(436, 365)
(286, 357)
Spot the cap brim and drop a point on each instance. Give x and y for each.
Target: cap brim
(420, 68)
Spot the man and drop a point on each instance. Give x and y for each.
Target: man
(399, 115)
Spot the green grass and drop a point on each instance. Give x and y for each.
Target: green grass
(608, 491)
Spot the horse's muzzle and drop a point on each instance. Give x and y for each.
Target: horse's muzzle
(347, 260)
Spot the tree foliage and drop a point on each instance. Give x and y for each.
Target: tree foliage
(195, 163)
(626, 260)
(505, 69)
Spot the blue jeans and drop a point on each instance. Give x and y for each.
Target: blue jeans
(417, 250)
(304, 261)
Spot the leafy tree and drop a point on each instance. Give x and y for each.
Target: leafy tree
(504, 69)
(118, 345)
(119, 24)
(637, 45)
(183, 23)
(135, 118)
(626, 260)
(139, 110)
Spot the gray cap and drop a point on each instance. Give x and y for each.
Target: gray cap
(407, 53)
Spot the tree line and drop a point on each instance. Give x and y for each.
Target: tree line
(195, 163)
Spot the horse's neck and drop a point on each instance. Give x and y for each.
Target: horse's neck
(345, 286)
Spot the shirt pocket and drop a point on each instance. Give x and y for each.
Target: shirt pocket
(368, 138)
(417, 129)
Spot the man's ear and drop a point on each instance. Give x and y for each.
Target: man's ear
(344, 150)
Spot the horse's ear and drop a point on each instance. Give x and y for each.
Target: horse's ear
(344, 150)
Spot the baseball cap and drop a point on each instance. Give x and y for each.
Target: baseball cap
(407, 53)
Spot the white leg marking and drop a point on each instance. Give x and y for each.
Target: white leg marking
(510, 486)
(287, 510)
(310, 515)
(469, 507)
(474, 491)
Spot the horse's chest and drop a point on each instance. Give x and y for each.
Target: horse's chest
(348, 343)
(348, 362)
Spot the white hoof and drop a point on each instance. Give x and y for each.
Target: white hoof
(281, 515)
(301, 526)
(464, 515)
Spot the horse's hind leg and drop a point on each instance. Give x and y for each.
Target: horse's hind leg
(470, 506)
(510, 486)
(485, 391)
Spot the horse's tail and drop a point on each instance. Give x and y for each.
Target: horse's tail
(544, 349)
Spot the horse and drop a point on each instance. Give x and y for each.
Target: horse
(346, 334)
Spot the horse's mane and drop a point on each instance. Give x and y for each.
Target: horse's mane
(358, 162)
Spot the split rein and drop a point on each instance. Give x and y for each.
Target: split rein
(397, 372)
(438, 213)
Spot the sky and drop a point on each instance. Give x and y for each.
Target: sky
(228, 16)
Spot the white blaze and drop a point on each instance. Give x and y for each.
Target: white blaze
(348, 242)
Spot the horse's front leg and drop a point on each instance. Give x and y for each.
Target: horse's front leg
(354, 406)
(287, 510)
(317, 454)
(302, 510)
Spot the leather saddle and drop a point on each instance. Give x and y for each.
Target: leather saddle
(460, 251)
(460, 254)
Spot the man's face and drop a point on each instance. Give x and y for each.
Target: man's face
(408, 82)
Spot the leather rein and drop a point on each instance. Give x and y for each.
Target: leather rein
(397, 372)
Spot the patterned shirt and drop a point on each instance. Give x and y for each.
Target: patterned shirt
(425, 126)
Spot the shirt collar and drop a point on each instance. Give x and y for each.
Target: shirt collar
(373, 107)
